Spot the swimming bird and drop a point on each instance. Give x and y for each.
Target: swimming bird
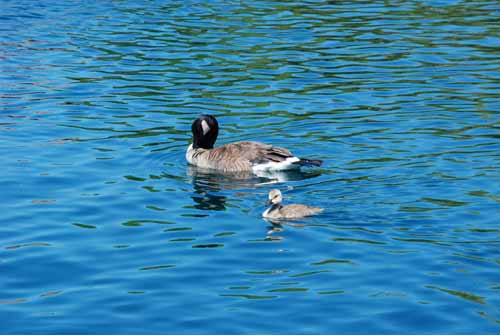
(237, 156)
(294, 211)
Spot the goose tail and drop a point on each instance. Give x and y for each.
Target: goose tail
(309, 162)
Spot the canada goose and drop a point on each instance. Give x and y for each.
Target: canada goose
(237, 156)
(294, 211)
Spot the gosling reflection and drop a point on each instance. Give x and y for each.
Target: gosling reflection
(276, 227)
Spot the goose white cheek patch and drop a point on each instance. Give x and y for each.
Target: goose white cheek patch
(205, 127)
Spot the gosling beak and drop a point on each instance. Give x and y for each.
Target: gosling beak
(268, 203)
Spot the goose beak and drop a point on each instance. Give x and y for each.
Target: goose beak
(268, 203)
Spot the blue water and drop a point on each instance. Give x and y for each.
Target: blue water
(104, 229)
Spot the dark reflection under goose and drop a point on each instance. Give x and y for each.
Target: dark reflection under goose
(206, 183)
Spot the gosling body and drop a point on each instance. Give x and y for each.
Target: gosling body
(294, 211)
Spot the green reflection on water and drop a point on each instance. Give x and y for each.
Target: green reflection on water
(250, 296)
(355, 240)
(289, 289)
(460, 294)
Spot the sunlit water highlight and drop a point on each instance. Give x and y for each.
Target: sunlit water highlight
(104, 229)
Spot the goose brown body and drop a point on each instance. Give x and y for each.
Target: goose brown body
(238, 156)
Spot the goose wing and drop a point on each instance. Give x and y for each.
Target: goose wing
(240, 156)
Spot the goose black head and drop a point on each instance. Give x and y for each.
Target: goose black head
(205, 130)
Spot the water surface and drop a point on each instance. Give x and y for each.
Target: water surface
(105, 229)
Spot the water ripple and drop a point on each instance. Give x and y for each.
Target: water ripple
(104, 225)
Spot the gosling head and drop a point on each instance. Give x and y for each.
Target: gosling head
(275, 197)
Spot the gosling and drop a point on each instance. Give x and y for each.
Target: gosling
(294, 211)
